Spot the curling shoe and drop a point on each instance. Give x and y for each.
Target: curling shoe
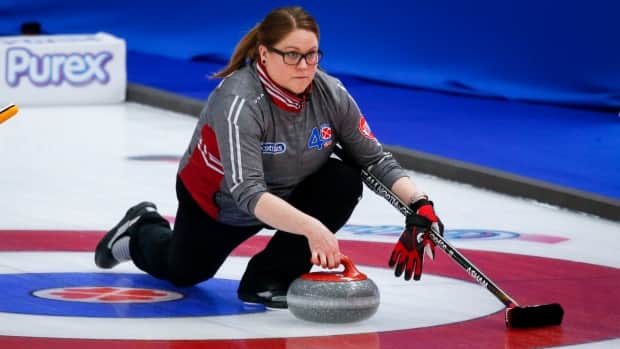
(275, 299)
(104, 257)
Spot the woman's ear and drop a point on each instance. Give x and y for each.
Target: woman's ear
(262, 53)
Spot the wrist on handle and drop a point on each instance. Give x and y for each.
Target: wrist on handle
(419, 201)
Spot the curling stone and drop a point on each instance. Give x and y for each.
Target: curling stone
(334, 297)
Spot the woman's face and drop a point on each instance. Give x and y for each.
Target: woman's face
(294, 77)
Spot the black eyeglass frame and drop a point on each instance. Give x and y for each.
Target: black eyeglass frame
(284, 54)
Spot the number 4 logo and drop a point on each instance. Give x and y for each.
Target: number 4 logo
(320, 137)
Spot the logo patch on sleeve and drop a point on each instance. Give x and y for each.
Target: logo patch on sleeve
(364, 128)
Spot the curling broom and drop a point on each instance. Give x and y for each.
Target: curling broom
(7, 112)
(517, 316)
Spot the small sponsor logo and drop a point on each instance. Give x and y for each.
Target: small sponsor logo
(54, 69)
(456, 234)
(273, 148)
(474, 274)
(107, 295)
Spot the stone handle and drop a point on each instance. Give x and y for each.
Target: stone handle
(350, 271)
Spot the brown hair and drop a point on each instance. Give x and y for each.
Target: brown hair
(273, 28)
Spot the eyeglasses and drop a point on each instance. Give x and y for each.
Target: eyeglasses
(293, 58)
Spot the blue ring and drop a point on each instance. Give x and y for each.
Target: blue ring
(211, 298)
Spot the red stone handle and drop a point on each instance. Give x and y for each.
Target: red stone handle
(350, 273)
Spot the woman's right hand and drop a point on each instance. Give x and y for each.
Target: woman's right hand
(279, 214)
(324, 248)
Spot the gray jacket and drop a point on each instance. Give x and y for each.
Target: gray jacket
(254, 137)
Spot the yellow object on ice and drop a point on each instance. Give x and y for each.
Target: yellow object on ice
(6, 112)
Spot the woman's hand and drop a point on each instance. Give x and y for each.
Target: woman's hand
(323, 248)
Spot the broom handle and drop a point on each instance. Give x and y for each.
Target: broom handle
(381, 189)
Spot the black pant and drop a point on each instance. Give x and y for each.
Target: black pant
(198, 245)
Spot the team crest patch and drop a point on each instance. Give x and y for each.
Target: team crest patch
(320, 137)
(364, 128)
(273, 148)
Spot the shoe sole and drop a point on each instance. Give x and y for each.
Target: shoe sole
(273, 304)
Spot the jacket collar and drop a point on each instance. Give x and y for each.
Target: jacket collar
(280, 96)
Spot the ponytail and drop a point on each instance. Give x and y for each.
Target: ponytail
(246, 49)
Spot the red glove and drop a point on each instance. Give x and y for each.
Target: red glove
(408, 253)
